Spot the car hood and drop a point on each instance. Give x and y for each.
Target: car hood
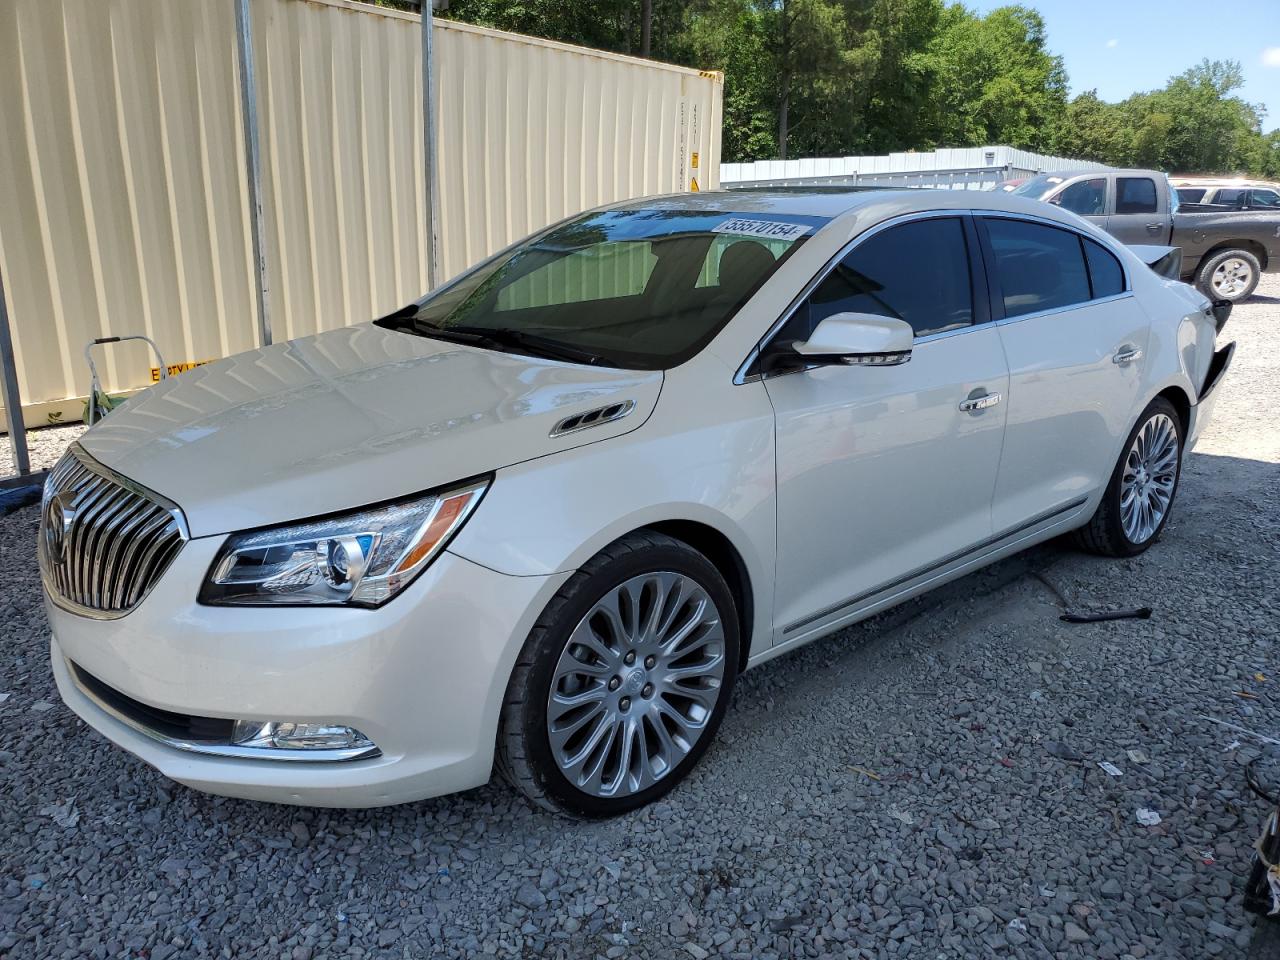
(347, 418)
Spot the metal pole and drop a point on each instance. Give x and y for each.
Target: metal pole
(253, 158)
(429, 145)
(12, 397)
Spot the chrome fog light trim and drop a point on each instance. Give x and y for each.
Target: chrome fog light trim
(291, 735)
(261, 739)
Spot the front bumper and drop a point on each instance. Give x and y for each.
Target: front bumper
(423, 677)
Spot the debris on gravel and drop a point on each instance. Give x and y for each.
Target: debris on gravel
(988, 828)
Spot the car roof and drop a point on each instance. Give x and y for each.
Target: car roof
(1119, 171)
(1233, 182)
(833, 202)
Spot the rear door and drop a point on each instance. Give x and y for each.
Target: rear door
(1075, 339)
(1139, 212)
(883, 472)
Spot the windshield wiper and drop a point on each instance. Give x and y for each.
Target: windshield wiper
(496, 338)
(500, 337)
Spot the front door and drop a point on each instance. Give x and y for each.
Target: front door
(1138, 214)
(881, 474)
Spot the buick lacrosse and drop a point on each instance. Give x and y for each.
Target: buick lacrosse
(540, 520)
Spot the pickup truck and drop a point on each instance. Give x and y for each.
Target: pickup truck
(1224, 252)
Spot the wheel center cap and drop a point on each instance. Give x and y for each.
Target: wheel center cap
(634, 682)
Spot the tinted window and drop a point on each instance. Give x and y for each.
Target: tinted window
(1038, 267)
(1266, 198)
(1231, 197)
(643, 287)
(1086, 198)
(917, 272)
(1135, 195)
(709, 276)
(600, 272)
(1105, 274)
(1039, 187)
(1190, 194)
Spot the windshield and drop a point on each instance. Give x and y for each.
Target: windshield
(1038, 187)
(642, 289)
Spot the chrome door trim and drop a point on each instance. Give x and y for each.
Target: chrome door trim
(966, 555)
(1005, 321)
(975, 404)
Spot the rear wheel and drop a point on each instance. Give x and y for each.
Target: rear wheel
(623, 680)
(1229, 275)
(1137, 501)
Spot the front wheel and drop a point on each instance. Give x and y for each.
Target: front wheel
(1229, 275)
(623, 680)
(1137, 501)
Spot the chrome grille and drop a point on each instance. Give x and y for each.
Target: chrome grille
(104, 540)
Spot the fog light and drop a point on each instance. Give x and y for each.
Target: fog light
(283, 735)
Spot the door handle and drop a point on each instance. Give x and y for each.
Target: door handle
(1127, 356)
(1154, 227)
(980, 403)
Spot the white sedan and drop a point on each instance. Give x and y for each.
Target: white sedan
(540, 520)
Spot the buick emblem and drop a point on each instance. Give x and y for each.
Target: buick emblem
(59, 515)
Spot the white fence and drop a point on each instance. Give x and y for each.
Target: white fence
(962, 168)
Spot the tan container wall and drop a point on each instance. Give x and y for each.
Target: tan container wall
(532, 131)
(123, 207)
(340, 120)
(123, 201)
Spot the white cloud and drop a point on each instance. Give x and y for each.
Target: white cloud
(1271, 57)
(1113, 43)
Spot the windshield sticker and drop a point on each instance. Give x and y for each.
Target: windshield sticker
(767, 229)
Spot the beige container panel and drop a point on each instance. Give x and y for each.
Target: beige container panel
(340, 115)
(124, 207)
(122, 204)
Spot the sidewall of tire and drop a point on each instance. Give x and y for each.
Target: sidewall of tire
(1127, 547)
(1205, 274)
(670, 555)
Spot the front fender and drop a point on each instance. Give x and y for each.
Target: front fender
(706, 456)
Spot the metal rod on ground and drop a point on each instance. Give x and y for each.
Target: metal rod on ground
(253, 160)
(432, 182)
(12, 396)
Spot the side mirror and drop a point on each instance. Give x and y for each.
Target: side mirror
(862, 339)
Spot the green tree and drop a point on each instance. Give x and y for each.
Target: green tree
(993, 80)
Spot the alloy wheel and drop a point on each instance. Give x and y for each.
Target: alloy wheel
(636, 685)
(1232, 277)
(1149, 477)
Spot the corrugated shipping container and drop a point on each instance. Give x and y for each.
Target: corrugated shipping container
(124, 204)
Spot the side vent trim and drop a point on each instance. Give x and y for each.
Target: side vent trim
(593, 418)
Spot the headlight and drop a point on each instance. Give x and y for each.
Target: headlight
(358, 559)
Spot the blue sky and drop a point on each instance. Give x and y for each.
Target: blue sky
(1123, 46)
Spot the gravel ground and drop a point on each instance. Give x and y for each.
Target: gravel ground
(923, 785)
(44, 447)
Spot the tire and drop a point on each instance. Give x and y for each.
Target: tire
(1229, 275)
(579, 648)
(1114, 530)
